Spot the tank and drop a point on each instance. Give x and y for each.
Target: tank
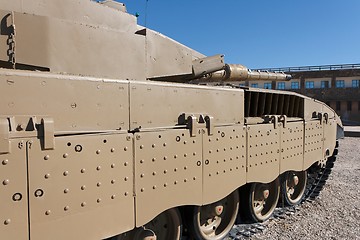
(106, 133)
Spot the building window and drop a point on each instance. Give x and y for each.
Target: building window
(324, 84)
(340, 83)
(349, 106)
(295, 85)
(281, 85)
(254, 85)
(309, 84)
(267, 85)
(338, 106)
(355, 83)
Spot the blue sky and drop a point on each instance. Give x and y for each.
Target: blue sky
(260, 33)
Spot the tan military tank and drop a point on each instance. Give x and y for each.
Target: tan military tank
(102, 136)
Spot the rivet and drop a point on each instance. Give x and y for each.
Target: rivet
(112, 150)
(83, 204)
(98, 184)
(47, 176)
(98, 168)
(98, 200)
(66, 173)
(98, 151)
(154, 173)
(194, 178)
(185, 142)
(185, 167)
(142, 175)
(165, 184)
(138, 137)
(154, 187)
(113, 181)
(7, 221)
(175, 182)
(165, 157)
(126, 163)
(175, 169)
(66, 190)
(47, 157)
(66, 208)
(142, 190)
(125, 149)
(126, 178)
(165, 171)
(65, 155)
(128, 138)
(126, 193)
(154, 159)
(48, 212)
(194, 153)
(141, 146)
(175, 156)
(83, 187)
(164, 144)
(185, 155)
(112, 165)
(185, 180)
(82, 170)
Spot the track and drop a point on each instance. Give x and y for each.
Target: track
(317, 177)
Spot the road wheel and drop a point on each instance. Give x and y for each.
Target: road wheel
(263, 198)
(214, 221)
(293, 187)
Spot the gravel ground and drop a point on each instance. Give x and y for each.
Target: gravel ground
(335, 214)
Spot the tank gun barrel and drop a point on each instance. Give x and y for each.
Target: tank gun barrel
(237, 72)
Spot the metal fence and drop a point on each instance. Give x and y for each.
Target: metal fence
(312, 68)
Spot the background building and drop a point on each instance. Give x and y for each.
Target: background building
(336, 85)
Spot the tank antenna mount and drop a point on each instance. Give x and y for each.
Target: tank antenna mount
(146, 12)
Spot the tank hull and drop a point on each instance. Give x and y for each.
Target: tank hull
(87, 151)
